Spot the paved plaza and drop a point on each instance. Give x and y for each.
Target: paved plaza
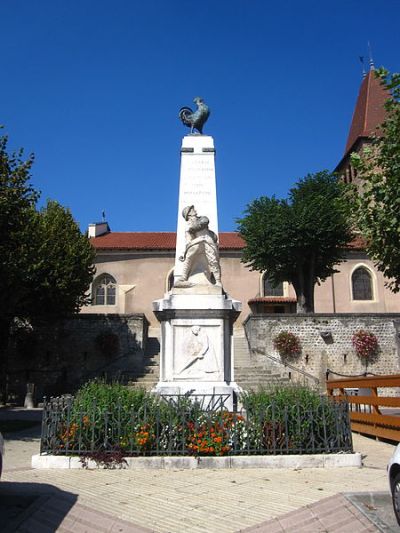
(207, 501)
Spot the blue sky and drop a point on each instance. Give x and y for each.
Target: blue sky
(94, 87)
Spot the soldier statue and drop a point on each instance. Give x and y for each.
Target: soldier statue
(200, 242)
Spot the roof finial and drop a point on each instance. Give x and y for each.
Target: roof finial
(363, 66)
(371, 60)
(104, 215)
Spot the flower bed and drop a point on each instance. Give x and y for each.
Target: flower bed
(129, 423)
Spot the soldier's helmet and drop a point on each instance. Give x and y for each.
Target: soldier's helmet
(186, 211)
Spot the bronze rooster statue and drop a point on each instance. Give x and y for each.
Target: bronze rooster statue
(195, 119)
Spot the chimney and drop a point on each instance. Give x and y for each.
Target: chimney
(97, 229)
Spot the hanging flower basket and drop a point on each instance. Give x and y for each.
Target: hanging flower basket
(288, 345)
(365, 344)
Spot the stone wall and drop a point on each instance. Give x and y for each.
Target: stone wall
(60, 356)
(326, 341)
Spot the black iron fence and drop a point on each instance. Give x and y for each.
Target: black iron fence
(174, 425)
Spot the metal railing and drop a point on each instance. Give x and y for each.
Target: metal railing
(366, 406)
(306, 375)
(187, 426)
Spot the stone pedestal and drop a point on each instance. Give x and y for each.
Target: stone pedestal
(197, 344)
(197, 316)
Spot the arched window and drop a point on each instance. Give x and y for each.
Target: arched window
(103, 291)
(271, 290)
(361, 283)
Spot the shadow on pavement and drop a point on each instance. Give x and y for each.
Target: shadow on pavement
(27, 507)
(31, 434)
(17, 423)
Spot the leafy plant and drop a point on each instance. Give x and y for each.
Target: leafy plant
(288, 345)
(104, 395)
(108, 419)
(299, 239)
(376, 211)
(281, 396)
(109, 460)
(46, 262)
(365, 344)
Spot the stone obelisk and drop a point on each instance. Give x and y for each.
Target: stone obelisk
(197, 316)
(197, 186)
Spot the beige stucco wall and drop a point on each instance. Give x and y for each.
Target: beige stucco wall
(142, 276)
(384, 300)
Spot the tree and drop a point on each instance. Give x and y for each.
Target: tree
(63, 269)
(17, 211)
(376, 205)
(46, 264)
(299, 239)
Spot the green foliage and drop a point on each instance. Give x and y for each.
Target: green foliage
(120, 421)
(299, 239)
(283, 397)
(63, 269)
(17, 244)
(299, 415)
(46, 265)
(377, 209)
(103, 396)
(46, 262)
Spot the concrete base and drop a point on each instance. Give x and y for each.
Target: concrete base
(338, 460)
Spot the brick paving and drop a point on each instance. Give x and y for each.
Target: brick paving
(335, 514)
(206, 501)
(57, 514)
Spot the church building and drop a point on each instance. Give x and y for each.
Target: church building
(135, 268)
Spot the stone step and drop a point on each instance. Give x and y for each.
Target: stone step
(148, 378)
(153, 359)
(248, 373)
(136, 374)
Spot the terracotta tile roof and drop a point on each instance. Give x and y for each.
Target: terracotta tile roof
(369, 111)
(272, 300)
(156, 241)
(165, 240)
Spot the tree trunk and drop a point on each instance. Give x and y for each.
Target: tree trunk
(4, 339)
(304, 287)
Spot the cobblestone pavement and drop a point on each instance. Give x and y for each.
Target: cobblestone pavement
(206, 501)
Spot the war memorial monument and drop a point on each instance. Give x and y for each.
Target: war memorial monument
(197, 315)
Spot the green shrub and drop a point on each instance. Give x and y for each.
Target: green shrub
(105, 396)
(121, 421)
(298, 413)
(282, 396)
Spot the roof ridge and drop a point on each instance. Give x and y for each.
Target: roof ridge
(367, 100)
(158, 232)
